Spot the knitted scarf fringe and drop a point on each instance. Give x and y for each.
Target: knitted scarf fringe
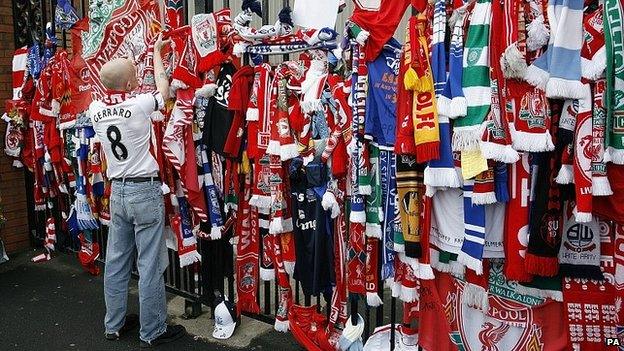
(615, 155)
(260, 201)
(215, 233)
(373, 230)
(441, 177)
(408, 294)
(470, 262)
(189, 241)
(288, 152)
(189, 258)
(582, 217)
(558, 88)
(267, 274)
(311, 106)
(452, 108)
(289, 267)
(542, 266)
(513, 63)
(565, 175)
(537, 34)
(424, 271)
(329, 202)
(601, 186)
(373, 299)
(467, 138)
(531, 142)
(483, 198)
(536, 77)
(282, 326)
(476, 296)
(499, 152)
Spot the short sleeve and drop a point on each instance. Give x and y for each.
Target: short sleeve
(150, 102)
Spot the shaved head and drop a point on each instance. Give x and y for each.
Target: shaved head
(119, 74)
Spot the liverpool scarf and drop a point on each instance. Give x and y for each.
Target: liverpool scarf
(475, 79)
(374, 211)
(583, 154)
(614, 100)
(600, 181)
(246, 255)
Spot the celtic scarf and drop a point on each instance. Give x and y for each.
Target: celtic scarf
(387, 170)
(614, 97)
(475, 79)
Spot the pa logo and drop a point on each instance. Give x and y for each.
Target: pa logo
(613, 342)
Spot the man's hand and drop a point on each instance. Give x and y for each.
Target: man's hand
(160, 43)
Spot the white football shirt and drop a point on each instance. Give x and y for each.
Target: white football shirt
(123, 126)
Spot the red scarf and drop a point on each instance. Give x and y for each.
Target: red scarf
(246, 255)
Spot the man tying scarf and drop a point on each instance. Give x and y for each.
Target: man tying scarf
(122, 122)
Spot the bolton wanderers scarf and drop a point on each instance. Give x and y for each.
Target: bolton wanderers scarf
(475, 79)
(579, 256)
(614, 97)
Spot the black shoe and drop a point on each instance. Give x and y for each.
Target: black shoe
(173, 332)
(132, 321)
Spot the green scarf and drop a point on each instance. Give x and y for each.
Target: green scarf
(614, 97)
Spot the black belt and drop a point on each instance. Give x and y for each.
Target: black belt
(137, 179)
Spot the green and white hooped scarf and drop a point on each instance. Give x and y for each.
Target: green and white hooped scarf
(614, 97)
(467, 130)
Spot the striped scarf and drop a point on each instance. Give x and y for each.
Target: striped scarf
(614, 101)
(441, 172)
(475, 79)
(471, 253)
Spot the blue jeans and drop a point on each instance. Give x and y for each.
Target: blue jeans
(137, 220)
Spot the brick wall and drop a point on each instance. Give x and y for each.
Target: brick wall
(12, 189)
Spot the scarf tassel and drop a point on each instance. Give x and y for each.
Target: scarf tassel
(565, 175)
(267, 274)
(601, 186)
(373, 299)
(537, 77)
(593, 69)
(542, 266)
(441, 177)
(189, 258)
(499, 152)
(513, 63)
(408, 294)
(476, 296)
(470, 262)
(531, 142)
(452, 108)
(484, 198)
(260, 201)
(582, 217)
(281, 326)
(329, 202)
(428, 151)
(537, 34)
(615, 155)
(216, 233)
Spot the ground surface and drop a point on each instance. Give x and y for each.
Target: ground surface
(56, 306)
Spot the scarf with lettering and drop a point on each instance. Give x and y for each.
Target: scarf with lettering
(614, 101)
(210, 191)
(356, 147)
(420, 81)
(545, 218)
(387, 169)
(592, 305)
(247, 254)
(411, 191)
(475, 79)
(584, 151)
(579, 256)
(182, 227)
(440, 173)
(374, 211)
(356, 256)
(284, 290)
(495, 142)
(600, 181)
(372, 272)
